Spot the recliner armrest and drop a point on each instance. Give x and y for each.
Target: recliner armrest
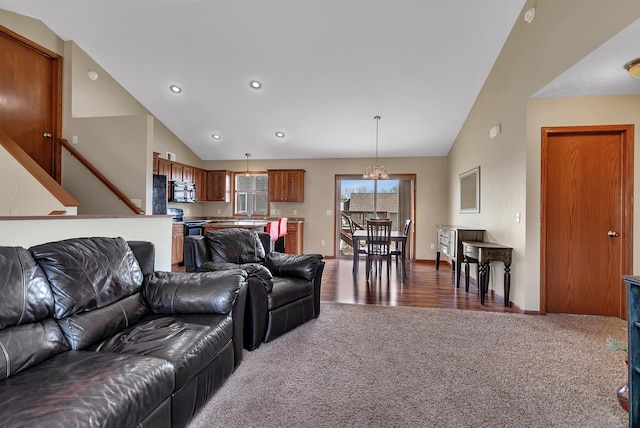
(195, 252)
(294, 266)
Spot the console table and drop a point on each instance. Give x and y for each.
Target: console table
(484, 253)
(449, 239)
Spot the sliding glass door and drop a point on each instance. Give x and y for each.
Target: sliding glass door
(361, 200)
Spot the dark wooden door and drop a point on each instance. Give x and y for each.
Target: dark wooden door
(30, 99)
(587, 178)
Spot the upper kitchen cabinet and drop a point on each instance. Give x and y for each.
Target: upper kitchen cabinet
(164, 167)
(286, 185)
(188, 174)
(219, 186)
(200, 180)
(176, 171)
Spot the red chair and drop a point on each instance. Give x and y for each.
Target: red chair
(282, 231)
(273, 229)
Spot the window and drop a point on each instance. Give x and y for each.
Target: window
(251, 194)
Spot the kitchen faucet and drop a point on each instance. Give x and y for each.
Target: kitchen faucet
(248, 213)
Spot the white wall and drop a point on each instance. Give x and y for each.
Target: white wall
(581, 111)
(21, 194)
(431, 196)
(30, 232)
(533, 55)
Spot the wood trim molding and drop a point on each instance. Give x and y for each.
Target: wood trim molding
(123, 198)
(36, 171)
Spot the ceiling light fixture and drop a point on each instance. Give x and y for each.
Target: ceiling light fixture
(280, 134)
(215, 136)
(633, 67)
(255, 84)
(246, 173)
(93, 75)
(376, 172)
(175, 89)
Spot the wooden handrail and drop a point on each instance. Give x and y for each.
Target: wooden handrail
(99, 176)
(18, 153)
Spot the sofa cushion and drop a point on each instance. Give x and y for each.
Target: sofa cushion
(295, 266)
(83, 389)
(28, 334)
(235, 246)
(189, 342)
(26, 296)
(88, 273)
(26, 345)
(193, 293)
(87, 328)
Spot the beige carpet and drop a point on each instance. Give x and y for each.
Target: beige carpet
(380, 366)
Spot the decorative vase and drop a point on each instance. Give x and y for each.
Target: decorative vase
(623, 394)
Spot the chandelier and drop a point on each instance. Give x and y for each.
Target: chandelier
(376, 172)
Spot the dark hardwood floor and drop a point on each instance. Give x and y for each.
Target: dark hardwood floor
(424, 287)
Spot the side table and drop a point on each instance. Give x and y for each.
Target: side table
(484, 253)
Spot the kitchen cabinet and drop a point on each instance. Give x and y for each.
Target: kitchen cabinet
(286, 185)
(164, 167)
(219, 186)
(176, 171)
(177, 243)
(293, 240)
(188, 174)
(200, 180)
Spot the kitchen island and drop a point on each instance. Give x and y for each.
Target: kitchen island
(293, 239)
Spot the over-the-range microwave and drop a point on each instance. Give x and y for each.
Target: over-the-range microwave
(182, 191)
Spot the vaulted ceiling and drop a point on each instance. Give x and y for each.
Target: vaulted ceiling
(326, 68)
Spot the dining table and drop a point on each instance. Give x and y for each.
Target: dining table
(396, 236)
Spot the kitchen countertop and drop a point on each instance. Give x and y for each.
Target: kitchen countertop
(242, 219)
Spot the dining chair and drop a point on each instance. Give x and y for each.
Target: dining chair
(397, 251)
(359, 250)
(378, 245)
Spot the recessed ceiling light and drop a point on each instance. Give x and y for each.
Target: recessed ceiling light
(215, 136)
(280, 134)
(255, 84)
(175, 88)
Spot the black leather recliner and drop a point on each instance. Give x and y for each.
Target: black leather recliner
(283, 289)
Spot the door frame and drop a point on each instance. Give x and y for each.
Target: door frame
(626, 133)
(56, 89)
(412, 209)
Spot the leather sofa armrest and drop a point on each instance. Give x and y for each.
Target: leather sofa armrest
(317, 284)
(193, 292)
(195, 252)
(294, 266)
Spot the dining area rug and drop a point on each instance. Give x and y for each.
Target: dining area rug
(383, 366)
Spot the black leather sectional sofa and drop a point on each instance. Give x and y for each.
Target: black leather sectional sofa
(91, 336)
(283, 289)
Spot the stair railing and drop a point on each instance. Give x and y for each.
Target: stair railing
(64, 143)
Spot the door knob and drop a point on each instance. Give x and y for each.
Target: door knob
(48, 135)
(612, 233)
